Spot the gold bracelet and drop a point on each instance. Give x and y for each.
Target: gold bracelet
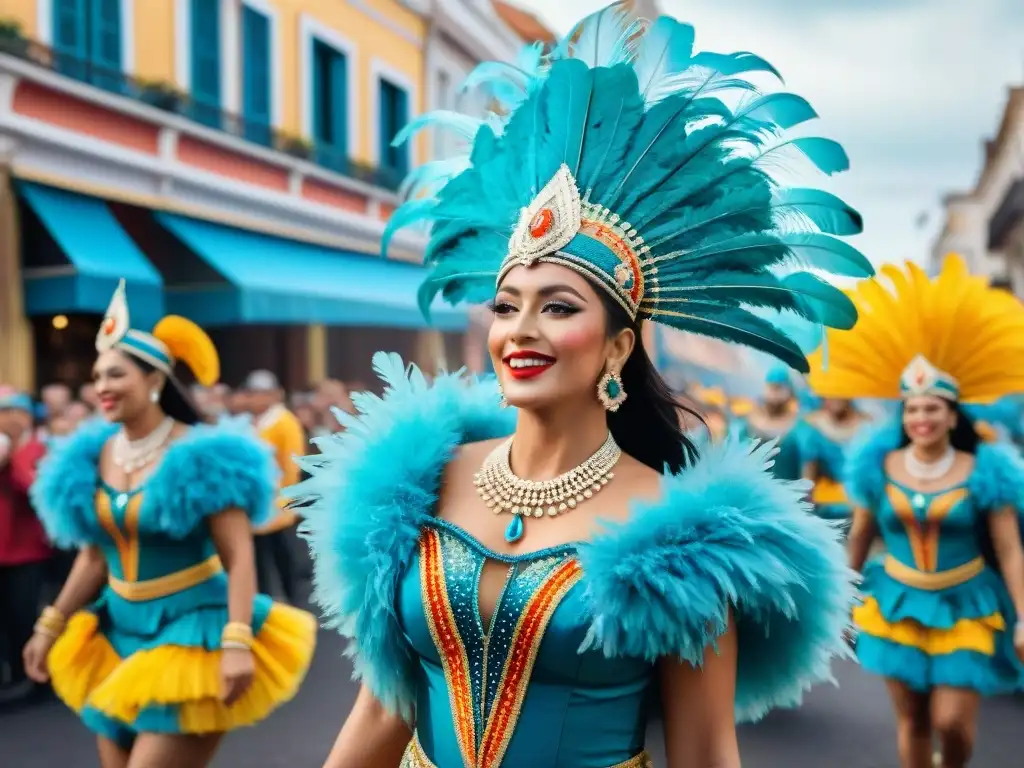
(51, 622)
(231, 645)
(235, 632)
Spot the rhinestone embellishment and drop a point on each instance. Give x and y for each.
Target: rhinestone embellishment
(541, 223)
(502, 491)
(549, 223)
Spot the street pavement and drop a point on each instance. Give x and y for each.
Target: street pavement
(846, 727)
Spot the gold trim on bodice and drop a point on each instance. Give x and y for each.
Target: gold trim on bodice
(923, 532)
(415, 757)
(933, 580)
(172, 583)
(126, 541)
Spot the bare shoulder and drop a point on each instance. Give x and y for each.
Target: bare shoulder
(468, 457)
(634, 481)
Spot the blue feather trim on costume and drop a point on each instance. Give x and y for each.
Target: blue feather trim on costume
(864, 469)
(370, 486)
(996, 481)
(998, 477)
(207, 470)
(726, 535)
(63, 494)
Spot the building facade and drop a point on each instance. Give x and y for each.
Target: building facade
(232, 159)
(986, 224)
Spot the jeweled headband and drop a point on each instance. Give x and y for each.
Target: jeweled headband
(559, 227)
(923, 378)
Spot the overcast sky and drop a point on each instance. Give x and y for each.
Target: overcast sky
(911, 88)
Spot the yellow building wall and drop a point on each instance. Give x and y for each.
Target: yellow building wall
(154, 40)
(374, 40)
(154, 28)
(22, 11)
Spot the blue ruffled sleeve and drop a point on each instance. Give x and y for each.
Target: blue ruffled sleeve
(997, 481)
(864, 468)
(64, 492)
(726, 537)
(208, 470)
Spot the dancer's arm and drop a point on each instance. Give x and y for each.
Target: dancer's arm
(87, 576)
(862, 534)
(232, 536)
(699, 705)
(1005, 531)
(371, 737)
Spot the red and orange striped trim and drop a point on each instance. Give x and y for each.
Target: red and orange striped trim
(454, 661)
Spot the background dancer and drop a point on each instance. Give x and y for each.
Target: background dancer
(940, 614)
(177, 648)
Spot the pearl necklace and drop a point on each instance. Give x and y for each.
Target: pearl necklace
(502, 491)
(921, 470)
(133, 455)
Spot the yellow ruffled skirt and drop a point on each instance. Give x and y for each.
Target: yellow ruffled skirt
(176, 688)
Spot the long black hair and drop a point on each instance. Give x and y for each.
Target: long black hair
(647, 426)
(174, 400)
(964, 436)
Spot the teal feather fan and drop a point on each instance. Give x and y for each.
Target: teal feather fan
(624, 152)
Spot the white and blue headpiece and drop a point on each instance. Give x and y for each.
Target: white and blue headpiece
(116, 333)
(923, 378)
(627, 157)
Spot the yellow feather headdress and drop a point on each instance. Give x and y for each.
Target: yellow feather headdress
(952, 336)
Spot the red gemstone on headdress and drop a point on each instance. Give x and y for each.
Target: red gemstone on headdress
(108, 325)
(920, 378)
(541, 223)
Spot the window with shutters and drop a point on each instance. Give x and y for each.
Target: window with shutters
(394, 114)
(442, 141)
(204, 57)
(87, 41)
(256, 76)
(330, 105)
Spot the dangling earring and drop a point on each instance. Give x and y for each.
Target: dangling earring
(154, 396)
(501, 394)
(611, 392)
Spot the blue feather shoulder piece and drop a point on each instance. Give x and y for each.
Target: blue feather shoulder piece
(998, 477)
(368, 490)
(864, 469)
(725, 536)
(64, 492)
(207, 470)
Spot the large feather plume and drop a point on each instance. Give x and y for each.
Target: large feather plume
(679, 143)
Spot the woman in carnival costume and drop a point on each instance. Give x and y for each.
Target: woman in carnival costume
(522, 601)
(938, 619)
(825, 436)
(177, 648)
(775, 417)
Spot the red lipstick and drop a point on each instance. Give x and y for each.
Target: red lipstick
(526, 364)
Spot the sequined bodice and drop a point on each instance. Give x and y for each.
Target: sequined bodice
(929, 531)
(516, 693)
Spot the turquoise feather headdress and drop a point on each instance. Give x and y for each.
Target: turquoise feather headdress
(617, 156)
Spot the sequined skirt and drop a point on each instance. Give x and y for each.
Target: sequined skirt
(415, 757)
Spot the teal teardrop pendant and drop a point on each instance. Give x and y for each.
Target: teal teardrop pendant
(514, 532)
(613, 389)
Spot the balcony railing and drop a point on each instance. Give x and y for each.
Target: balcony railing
(166, 97)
